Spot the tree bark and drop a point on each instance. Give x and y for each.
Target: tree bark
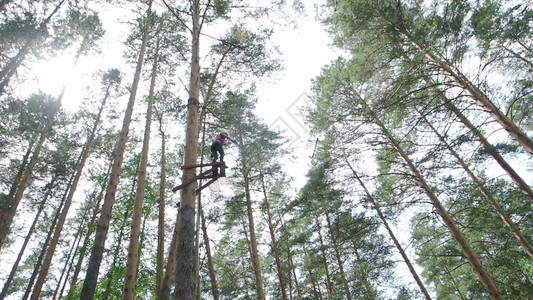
(91, 277)
(185, 252)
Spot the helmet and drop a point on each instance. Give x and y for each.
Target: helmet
(224, 134)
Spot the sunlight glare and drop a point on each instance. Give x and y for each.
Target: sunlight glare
(54, 74)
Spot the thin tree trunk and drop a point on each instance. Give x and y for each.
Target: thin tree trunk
(133, 249)
(316, 287)
(76, 249)
(161, 219)
(406, 259)
(347, 292)
(67, 267)
(253, 240)
(44, 245)
(293, 269)
(170, 268)
(368, 287)
(469, 253)
(329, 284)
(185, 252)
(274, 242)
(210, 264)
(9, 279)
(453, 282)
(481, 187)
(91, 277)
(10, 204)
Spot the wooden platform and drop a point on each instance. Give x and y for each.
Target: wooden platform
(219, 167)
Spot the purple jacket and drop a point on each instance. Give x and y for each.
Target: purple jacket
(219, 138)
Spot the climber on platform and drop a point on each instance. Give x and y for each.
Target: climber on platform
(217, 147)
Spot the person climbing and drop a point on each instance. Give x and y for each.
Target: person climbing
(217, 146)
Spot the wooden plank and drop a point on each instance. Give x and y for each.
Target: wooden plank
(216, 163)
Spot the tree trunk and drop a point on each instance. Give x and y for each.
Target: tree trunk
(339, 258)
(171, 262)
(185, 251)
(406, 259)
(253, 240)
(67, 266)
(274, 242)
(44, 246)
(210, 264)
(469, 253)
(90, 224)
(481, 187)
(133, 249)
(161, 220)
(329, 284)
(9, 279)
(91, 277)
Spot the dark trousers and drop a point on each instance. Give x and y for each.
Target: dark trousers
(216, 148)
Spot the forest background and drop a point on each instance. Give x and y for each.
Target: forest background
(387, 159)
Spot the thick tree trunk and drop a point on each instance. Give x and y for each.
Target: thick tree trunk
(274, 242)
(481, 187)
(185, 252)
(133, 249)
(93, 269)
(406, 259)
(469, 253)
